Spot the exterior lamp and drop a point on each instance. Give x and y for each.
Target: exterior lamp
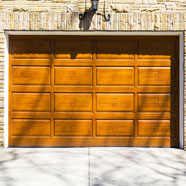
(94, 5)
(94, 8)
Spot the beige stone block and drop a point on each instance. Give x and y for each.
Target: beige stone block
(170, 5)
(138, 1)
(120, 8)
(150, 1)
(20, 9)
(39, 9)
(124, 2)
(62, 1)
(148, 8)
(72, 9)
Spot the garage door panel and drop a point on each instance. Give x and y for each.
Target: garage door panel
(26, 75)
(73, 128)
(31, 62)
(31, 102)
(117, 62)
(115, 115)
(156, 115)
(70, 49)
(154, 62)
(115, 127)
(154, 75)
(30, 127)
(73, 115)
(36, 115)
(30, 48)
(117, 49)
(115, 102)
(115, 89)
(151, 48)
(115, 76)
(154, 89)
(73, 63)
(73, 88)
(94, 142)
(154, 102)
(31, 88)
(154, 128)
(73, 75)
(69, 102)
(93, 91)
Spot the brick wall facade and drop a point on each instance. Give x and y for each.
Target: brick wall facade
(126, 15)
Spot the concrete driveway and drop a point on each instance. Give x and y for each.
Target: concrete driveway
(92, 167)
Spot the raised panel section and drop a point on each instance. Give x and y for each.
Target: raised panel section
(115, 49)
(30, 48)
(154, 127)
(31, 102)
(115, 102)
(73, 102)
(26, 75)
(154, 75)
(73, 49)
(115, 76)
(30, 127)
(73, 128)
(156, 48)
(94, 91)
(115, 127)
(73, 76)
(154, 102)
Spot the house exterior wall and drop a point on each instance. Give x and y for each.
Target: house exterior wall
(62, 15)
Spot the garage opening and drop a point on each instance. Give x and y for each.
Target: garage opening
(94, 91)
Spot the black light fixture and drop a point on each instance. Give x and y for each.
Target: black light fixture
(94, 8)
(94, 5)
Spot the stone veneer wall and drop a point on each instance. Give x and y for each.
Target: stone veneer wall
(126, 15)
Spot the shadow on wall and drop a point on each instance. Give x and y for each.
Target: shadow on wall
(86, 22)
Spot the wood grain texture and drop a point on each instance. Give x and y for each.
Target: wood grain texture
(30, 127)
(73, 102)
(115, 49)
(73, 128)
(154, 127)
(94, 91)
(115, 102)
(30, 48)
(160, 48)
(26, 75)
(73, 76)
(115, 76)
(154, 102)
(72, 49)
(154, 76)
(31, 102)
(115, 127)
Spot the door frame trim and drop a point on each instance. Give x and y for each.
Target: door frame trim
(99, 33)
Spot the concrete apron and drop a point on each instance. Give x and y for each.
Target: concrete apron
(92, 167)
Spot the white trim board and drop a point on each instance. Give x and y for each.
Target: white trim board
(100, 33)
(96, 33)
(6, 88)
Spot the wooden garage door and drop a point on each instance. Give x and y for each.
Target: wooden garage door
(93, 91)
